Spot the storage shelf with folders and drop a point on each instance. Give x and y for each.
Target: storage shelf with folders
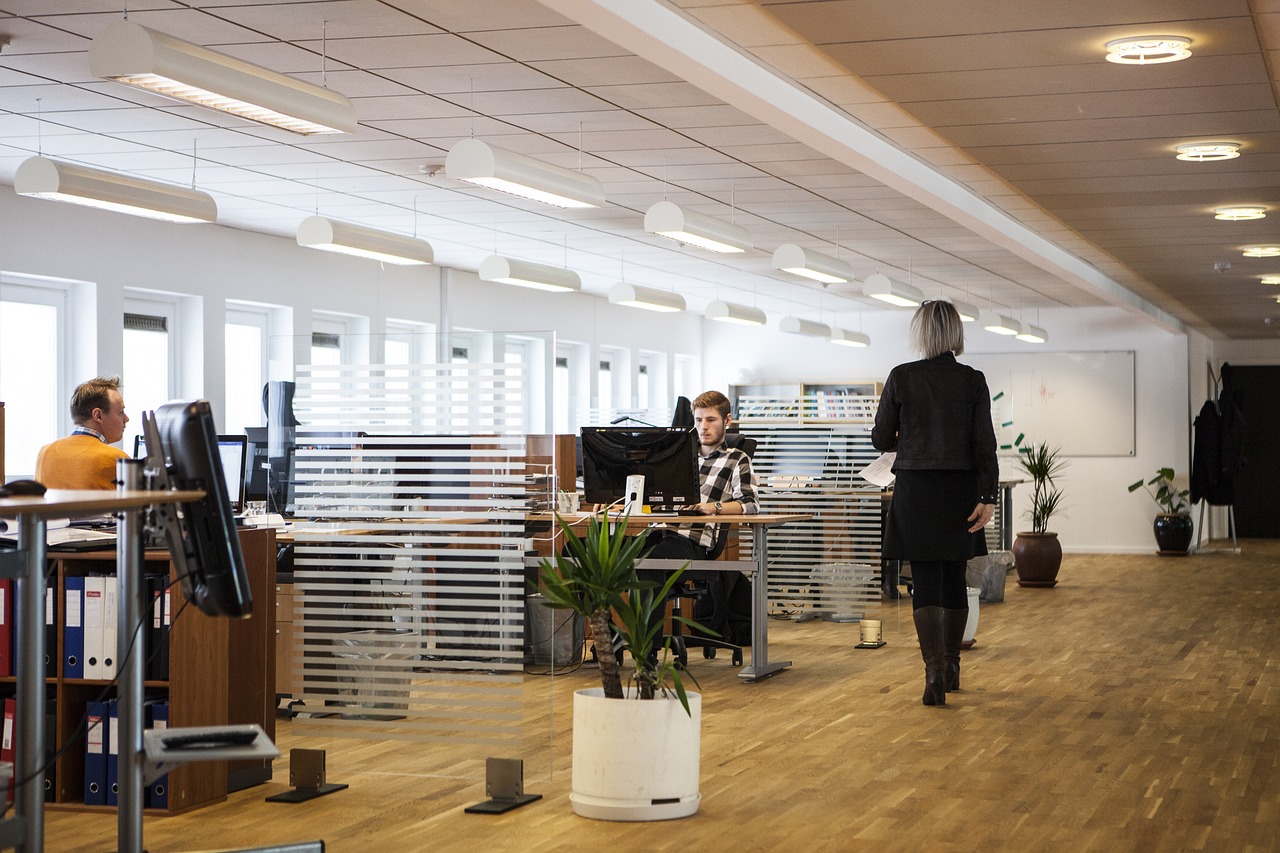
(187, 672)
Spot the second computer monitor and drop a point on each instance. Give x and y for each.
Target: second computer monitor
(232, 453)
(667, 457)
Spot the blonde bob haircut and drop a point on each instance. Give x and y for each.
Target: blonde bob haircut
(936, 328)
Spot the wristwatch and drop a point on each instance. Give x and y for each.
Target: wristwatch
(719, 507)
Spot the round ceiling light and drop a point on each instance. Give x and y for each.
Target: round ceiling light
(1148, 50)
(1239, 214)
(1269, 279)
(1262, 252)
(1203, 152)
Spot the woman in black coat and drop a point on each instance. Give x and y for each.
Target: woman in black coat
(936, 414)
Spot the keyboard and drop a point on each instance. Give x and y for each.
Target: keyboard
(211, 740)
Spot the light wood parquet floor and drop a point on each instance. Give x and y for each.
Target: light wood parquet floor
(1134, 707)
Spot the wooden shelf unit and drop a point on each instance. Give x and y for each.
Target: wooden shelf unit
(203, 688)
(805, 402)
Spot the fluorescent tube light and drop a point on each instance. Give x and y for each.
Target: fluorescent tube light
(528, 274)
(994, 321)
(808, 328)
(728, 312)
(651, 299)
(810, 264)
(132, 54)
(966, 311)
(846, 338)
(489, 166)
(317, 232)
(40, 177)
(879, 286)
(688, 226)
(1033, 334)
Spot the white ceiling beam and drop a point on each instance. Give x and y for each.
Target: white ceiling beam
(670, 39)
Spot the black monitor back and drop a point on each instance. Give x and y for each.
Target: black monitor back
(667, 457)
(204, 545)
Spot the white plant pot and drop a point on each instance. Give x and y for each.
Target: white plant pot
(971, 625)
(635, 760)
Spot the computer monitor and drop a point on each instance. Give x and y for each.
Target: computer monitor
(202, 538)
(666, 456)
(233, 451)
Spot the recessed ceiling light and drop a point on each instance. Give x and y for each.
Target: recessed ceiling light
(1270, 279)
(1204, 152)
(1262, 252)
(1148, 50)
(1239, 214)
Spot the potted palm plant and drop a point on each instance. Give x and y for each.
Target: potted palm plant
(635, 747)
(1037, 554)
(1173, 527)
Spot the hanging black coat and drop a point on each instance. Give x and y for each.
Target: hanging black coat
(1216, 454)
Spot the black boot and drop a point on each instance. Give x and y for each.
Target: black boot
(953, 625)
(929, 630)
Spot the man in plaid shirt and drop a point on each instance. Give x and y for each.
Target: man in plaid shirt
(727, 488)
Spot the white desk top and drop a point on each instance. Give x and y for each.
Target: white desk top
(77, 503)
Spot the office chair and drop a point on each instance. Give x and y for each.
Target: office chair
(699, 586)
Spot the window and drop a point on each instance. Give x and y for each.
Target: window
(149, 362)
(686, 377)
(326, 348)
(246, 367)
(604, 384)
(33, 368)
(562, 422)
(408, 343)
(643, 397)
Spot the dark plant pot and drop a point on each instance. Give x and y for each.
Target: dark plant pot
(1173, 534)
(1037, 557)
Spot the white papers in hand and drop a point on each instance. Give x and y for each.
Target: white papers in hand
(880, 471)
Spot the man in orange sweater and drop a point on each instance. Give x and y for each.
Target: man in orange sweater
(86, 459)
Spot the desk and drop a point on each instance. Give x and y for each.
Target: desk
(757, 568)
(25, 830)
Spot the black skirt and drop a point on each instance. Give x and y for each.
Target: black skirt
(928, 517)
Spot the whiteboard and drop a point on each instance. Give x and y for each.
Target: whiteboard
(1081, 402)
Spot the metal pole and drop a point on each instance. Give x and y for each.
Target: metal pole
(129, 554)
(29, 745)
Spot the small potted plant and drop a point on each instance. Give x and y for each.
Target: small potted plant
(1173, 526)
(619, 771)
(1037, 554)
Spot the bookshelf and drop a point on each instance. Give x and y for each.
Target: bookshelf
(202, 689)
(806, 402)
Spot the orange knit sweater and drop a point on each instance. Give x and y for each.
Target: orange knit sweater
(78, 462)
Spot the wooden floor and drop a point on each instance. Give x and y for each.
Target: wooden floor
(1134, 707)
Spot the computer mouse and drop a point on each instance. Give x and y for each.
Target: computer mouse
(22, 488)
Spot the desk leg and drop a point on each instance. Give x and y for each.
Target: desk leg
(129, 565)
(760, 666)
(1006, 519)
(29, 747)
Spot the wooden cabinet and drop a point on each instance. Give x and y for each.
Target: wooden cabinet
(288, 632)
(220, 671)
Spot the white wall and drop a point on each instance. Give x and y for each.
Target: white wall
(1100, 515)
(113, 252)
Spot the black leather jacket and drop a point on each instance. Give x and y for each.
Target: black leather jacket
(936, 414)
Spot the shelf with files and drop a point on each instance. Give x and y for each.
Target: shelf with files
(805, 402)
(187, 679)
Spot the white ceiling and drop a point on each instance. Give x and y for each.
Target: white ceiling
(983, 150)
